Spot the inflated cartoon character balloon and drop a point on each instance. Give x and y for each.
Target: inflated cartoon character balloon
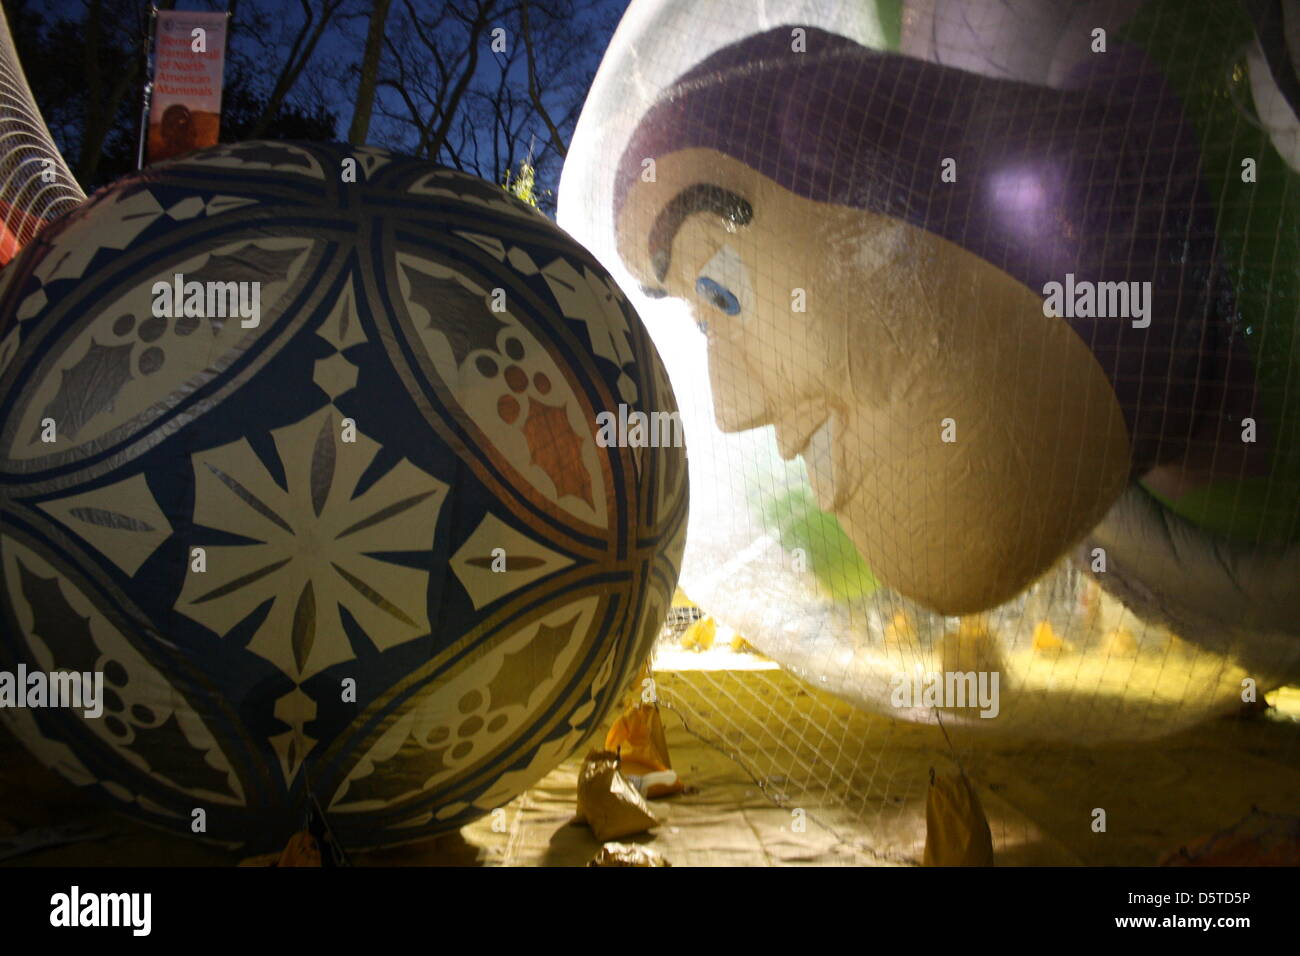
(1009, 279)
(307, 467)
(963, 437)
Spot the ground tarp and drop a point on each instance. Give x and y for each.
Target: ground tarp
(757, 747)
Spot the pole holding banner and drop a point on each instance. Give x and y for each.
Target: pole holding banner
(185, 96)
(143, 136)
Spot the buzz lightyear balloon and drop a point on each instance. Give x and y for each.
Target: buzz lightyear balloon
(994, 311)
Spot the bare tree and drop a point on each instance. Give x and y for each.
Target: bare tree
(112, 57)
(300, 53)
(481, 85)
(365, 99)
(534, 87)
(433, 56)
(486, 86)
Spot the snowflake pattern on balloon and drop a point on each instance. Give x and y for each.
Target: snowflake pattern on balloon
(308, 545)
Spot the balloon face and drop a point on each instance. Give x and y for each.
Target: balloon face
(308, 469)
(898, 331)
(979, 288)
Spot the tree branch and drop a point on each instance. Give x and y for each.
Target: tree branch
(369, 73)
(533, 92)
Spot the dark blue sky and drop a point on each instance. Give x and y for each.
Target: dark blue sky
(327, 80)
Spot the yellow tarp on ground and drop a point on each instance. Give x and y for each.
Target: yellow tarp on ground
(860, 781)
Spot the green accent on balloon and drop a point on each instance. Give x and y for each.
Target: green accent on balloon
(1227, 507)
(1200, 46)
(890, 15)
(834, 562)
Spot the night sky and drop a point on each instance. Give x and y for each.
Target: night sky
(327, 82)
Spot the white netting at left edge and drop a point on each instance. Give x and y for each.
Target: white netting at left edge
(35, 183)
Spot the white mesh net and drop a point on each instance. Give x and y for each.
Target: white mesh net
(35, 184)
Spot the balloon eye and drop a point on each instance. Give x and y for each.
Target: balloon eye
(719, 296)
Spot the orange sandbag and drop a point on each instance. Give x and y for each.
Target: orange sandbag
(302, 850)
(607, 802)
(627, 854)
(956, 830)
(638, 738)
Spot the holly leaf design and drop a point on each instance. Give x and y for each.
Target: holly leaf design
(557, 449)
(169, 754)
(248, 264)
(402, 773)
(89, 387)
(57, 623)
(459, 314)
(522, 671)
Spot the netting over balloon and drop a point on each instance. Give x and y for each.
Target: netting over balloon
(982, 319)
(35, 184)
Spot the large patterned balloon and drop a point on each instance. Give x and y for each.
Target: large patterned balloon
(362, 541)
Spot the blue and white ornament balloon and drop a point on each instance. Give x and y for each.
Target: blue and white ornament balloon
(306, 465)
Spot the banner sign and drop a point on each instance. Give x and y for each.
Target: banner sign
(185, 107)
